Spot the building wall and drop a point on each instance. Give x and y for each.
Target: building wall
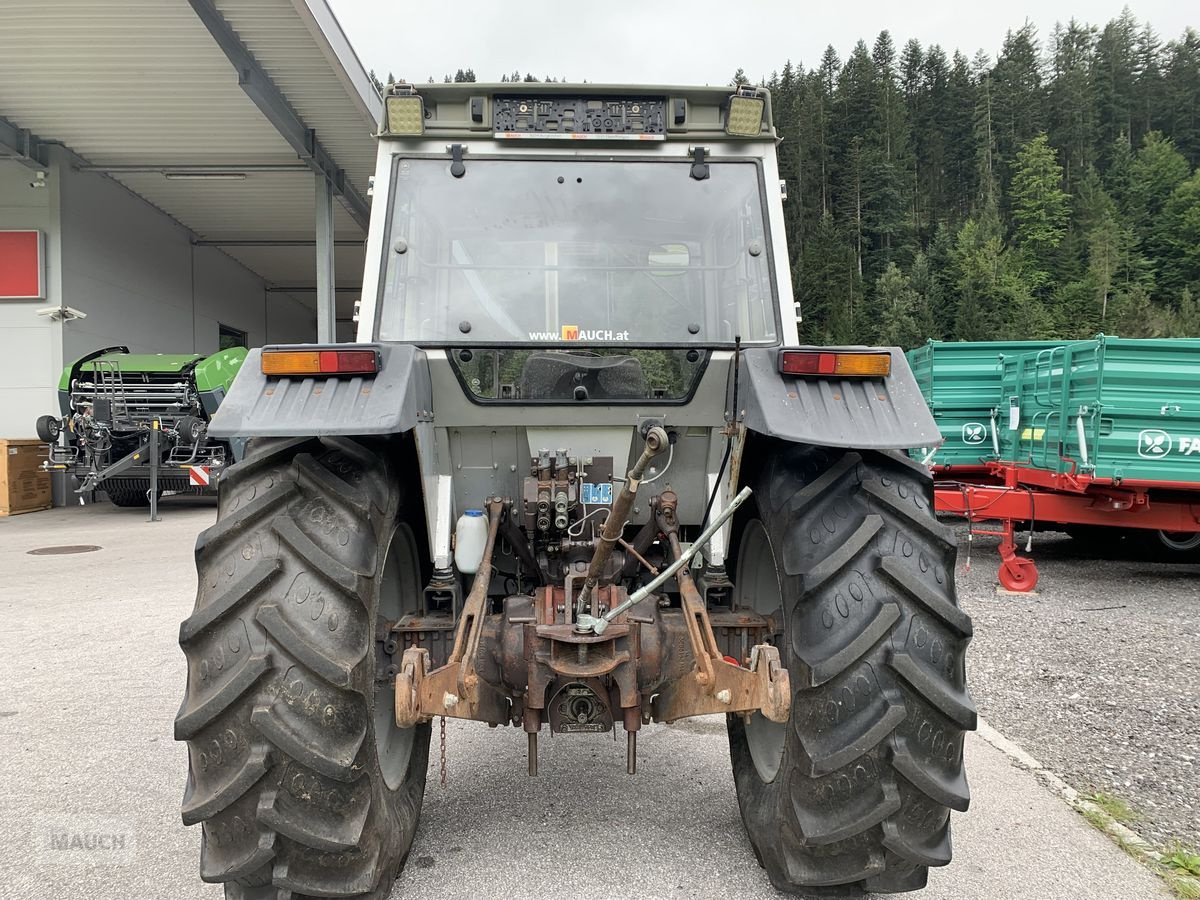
(30, 345)
(228, 294)
(136, 274)
(127, 266)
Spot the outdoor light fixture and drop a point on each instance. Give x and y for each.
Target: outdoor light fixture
(205, 176)
(745, 114)
(405, 114)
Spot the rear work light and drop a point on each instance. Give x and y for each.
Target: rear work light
(836, 363)
(320, 362)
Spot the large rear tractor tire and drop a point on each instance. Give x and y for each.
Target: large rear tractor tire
(854, 793)
(300, 779)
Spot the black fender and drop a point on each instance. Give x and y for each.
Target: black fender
(861, 413)
(392, 401)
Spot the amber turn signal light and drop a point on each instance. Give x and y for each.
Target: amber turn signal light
(835, 363)
(320, 362)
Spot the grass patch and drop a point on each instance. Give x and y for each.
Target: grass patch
(1116, 808)
(1095, 818)
(1183, 887)
(1180, 860)
(1178, 865)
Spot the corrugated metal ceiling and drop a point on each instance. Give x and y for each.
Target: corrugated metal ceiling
(143, 82)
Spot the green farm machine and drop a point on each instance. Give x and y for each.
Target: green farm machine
(577, 474)
(136, 424)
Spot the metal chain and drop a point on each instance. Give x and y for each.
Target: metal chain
(443, 751)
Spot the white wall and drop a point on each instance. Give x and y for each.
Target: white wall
(30, 345)
(136, 274)
(290, 322)
(228, 294)
(127, 266)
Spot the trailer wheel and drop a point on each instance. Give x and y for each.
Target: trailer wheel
(48, 428)
(191, 429)
(298, 775)
(1166, 546)
(854, 792)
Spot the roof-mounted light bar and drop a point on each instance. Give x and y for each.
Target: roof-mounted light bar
(836, 363)
(320, 361)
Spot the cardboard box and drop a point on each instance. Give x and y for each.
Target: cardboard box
(24, 486)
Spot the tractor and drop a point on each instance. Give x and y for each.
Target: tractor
(577, 474)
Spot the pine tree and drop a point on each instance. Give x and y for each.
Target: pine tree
(1040, 207)
(826, 286)
(1072, 124)
(1176, 238)
(1113, 73)
(1181, 83)
(1018, 97)
(898, 304)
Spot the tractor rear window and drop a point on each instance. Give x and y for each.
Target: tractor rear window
(580, 253)
(606, 375)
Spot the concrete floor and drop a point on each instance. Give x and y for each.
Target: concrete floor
(91, 677)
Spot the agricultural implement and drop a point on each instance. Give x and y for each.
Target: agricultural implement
(135, 424)
(1099, 438)
(577, 474)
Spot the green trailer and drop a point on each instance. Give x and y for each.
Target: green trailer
(961, 382)
(1110, 408)
(1098, 438)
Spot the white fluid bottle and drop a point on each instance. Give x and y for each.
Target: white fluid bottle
(470, 538)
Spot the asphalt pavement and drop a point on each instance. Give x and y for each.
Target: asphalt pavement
(91, 780)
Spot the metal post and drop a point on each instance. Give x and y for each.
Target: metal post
(326, 293)
(153, 493)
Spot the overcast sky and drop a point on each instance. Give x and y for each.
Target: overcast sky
(699, 41)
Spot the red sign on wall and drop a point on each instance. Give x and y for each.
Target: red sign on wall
(22, 265)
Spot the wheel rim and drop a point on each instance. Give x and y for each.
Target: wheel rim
(757, 586)
(399, 588)
(1180, 541)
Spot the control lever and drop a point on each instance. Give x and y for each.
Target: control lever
(586, 623)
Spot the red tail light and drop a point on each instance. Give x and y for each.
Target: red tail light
(846, 364)
(320, 362)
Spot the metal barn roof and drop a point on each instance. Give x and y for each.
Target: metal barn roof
(218, 112)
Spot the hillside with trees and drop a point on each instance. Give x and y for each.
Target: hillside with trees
(1050, 193)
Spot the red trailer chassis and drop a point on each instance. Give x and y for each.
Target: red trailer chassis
(1009, 494)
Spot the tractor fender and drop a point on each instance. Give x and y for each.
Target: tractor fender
(390, 402)
(861, 413)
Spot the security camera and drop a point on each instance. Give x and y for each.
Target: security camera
(66, 313)
(39, 180)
